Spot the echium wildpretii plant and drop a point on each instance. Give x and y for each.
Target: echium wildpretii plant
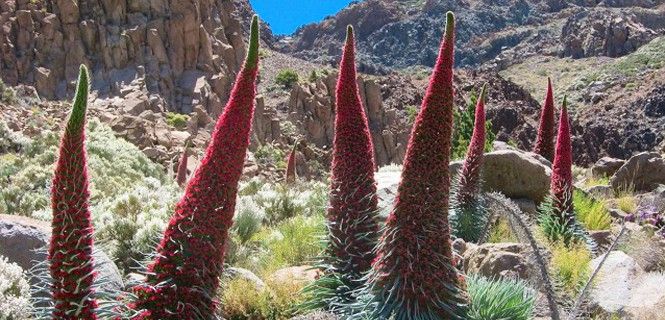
(184, 276)
(352, 217)
(557, 213)
(468, 214)
(181, 174)
(414, 275)
(291, 173)
(545, 139)
(70, 250)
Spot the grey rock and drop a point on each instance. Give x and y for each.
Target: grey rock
(600, 192)
(235, 273)
(24, 241)
(498, 260)
(515, 174)
(606, 167)
(643, 172)
(623, 288)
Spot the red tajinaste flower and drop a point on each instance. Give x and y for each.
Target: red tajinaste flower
(562, 172)
(182, 280)
(545, 140)
(470, 179)
(181, 175)
(353, 202)
(413, 276)
(71, 246)
(291, 174)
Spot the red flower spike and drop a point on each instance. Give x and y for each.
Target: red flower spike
(183, 279)
(545, 141)
(470, 179)
(353, 202)
(562, 172)
(413, 276)
(291, 174)
(70, 251)
(181, 175)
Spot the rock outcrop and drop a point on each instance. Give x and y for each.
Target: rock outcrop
(491, 33)
(623, 288)
(160, 54)
(643, 172)
(24, 241)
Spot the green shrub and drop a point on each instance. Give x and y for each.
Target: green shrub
(177, 120)
(131, 197)
(286, 78)
(241, 300)
(411, 113)
(592, 214)
(270, 154)
(499, 299)
(293, 242)
(463, 129)
(248, 219)
(14, 292)
(570, 266)
(501, 232)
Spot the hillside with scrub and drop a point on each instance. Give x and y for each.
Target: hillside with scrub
(235, 176)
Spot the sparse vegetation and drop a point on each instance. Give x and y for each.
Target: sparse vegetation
(287, 78)
(570, 266)
(177, 120)
(499, 299)
(14, 292)
(592, 214)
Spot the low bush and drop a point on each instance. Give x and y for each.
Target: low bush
(14, 292)
(592, 214)
(177, 120)
(287, 78)
(499, 299)
(570, 266)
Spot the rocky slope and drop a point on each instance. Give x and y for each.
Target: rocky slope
(152, 58)
(173, 55)
(398, 34)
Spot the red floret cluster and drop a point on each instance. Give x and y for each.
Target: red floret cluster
(353, 202)
(413, 276)
(291, 174)
(470, 180)
(545, 140)
(181, 174)
(562, 172)
(183, 278)
(71, 246)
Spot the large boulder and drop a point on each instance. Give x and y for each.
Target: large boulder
(516, 174)
(623, 288)
(643, 172)
(494, 260)
(606, 167)
(24, 241)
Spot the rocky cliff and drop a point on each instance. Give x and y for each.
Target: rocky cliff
(399, 34)
(172, 55)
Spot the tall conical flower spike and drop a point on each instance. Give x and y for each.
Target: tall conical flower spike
(70, 251)
(352, 216)
(291, 174)
(413, 276)
(183, 279)
(470, 179)
(562, 172)
(545, 140)
(181, 175)
(469, 216)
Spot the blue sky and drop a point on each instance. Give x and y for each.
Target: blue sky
(285, 16)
